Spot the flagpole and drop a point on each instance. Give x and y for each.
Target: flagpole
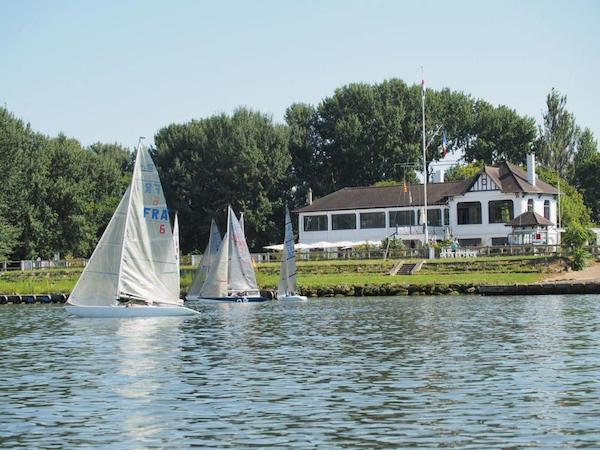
(424, 157)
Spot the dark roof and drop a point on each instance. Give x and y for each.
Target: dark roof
(514, 179)
(508, 177)
(386, 196)
(528, 219)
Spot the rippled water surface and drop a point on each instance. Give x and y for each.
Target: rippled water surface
(478, 372)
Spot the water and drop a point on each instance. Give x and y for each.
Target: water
(469, 372)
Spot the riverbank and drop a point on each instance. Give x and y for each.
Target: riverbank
(345, 277)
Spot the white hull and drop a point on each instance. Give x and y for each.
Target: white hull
(292, 298)
(129, 311)
(205, 300)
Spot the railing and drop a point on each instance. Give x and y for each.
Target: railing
(331, 254)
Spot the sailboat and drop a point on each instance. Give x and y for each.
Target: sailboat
(208, 258)
(133, 271)
(286, 290)
(231, 276)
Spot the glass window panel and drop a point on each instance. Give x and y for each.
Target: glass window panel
(500, 211)
(343, 221)
(468, 213)
(372, 220)
(315, 223)
(402, 218)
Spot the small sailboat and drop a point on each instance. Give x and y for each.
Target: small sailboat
(134, 271)
(287, 289)
(208, 259)
(230, 277)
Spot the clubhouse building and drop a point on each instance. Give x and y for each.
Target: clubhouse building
(502, 205)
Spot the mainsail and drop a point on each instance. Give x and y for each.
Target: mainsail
(135, 258)
(241, 270)
(231, 270)
(208, 258)
(287, 276)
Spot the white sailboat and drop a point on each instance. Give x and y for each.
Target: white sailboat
(287, 289)
(208, 259)
(231, 276)
(133, 271)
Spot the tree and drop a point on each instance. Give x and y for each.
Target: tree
(573, 208)
(240, 160)
(499, 133)
(588, 182)
(463, 171)
(308, 162)
(587, 147)
(558, 135)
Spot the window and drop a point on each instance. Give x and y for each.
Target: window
(499, 241)
(434, 217)
(402, 218)
(315, 223)
(530, 205)
(372, 220)
(343, 221)
(468, 213)
(475, 242)
(547, 209)
(446, 216)
(501, 211)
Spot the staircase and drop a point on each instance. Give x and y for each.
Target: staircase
(402, 268)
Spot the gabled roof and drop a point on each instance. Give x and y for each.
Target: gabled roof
(386, 196)
(528, 219)
(508, 177)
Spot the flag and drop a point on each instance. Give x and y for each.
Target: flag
(423, 87)
(444, 143)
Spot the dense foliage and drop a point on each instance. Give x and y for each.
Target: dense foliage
(57, 196)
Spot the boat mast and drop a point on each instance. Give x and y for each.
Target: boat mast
(424, 158)
(135, 171)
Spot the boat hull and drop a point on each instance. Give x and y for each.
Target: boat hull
(130, 311)
(292, 298)
(194, 299)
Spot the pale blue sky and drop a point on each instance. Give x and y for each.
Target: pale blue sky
(113, 70)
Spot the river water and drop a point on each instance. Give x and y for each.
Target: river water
(474, 372)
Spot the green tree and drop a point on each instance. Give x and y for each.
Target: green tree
(463, 171)
(499, 133)
(588, 182)
(558, 135)
(573, 208)
(240, 160)
(587, 147)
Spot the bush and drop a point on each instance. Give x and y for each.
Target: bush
(579, 260)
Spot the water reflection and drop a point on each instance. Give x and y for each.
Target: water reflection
(332, 373)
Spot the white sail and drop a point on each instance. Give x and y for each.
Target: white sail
(176, 246)
(208, 259)
(241, 270)
(98, 285)
(149, 269)
(216, 280)
(287, 278)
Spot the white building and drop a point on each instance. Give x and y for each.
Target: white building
(474, 211)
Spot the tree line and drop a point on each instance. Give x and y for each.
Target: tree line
(57, 195)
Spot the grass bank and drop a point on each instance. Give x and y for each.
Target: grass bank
(332, 277)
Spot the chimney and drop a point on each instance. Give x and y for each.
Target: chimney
(531, 178)
(309, 196)
(438, 176)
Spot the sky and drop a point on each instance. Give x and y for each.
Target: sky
(114, 70)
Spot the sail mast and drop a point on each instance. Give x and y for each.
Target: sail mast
(135, 171)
